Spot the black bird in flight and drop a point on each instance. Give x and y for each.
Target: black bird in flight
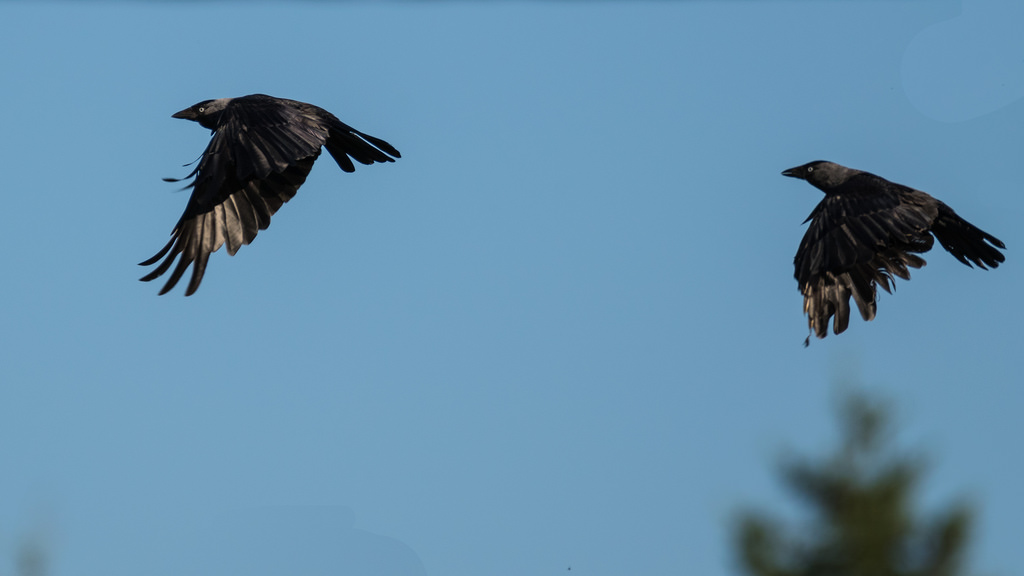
(867, 230)
(261, 151)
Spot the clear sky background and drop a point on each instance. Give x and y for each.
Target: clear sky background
(561, 331)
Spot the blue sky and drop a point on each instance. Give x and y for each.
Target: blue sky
(561, 331)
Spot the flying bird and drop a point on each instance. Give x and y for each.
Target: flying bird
(261, 151)
(867, 230)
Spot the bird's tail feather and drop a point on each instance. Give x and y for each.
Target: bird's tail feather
(344, 141)
(966, 242)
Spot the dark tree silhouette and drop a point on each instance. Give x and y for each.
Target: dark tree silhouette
(862, 523)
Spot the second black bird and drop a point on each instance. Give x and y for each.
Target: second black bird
(867, 230)
(261, 152)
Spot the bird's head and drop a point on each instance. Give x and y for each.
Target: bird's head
(821, 174)
(206, 113)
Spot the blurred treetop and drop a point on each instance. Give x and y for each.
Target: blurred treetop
(862, 522)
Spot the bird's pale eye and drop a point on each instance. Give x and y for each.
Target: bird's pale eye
(201, 109)
(809, 168)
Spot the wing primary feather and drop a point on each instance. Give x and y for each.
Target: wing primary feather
(159, 254)
(198, 270)
(234, 233)
(183, 263)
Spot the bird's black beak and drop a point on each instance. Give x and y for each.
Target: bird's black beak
(794, 173)
(186, 114)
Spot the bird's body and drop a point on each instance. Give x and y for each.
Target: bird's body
(261, 151)
(867, 230)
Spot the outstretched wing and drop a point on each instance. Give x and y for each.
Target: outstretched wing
(861, 235)
(234, 221)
